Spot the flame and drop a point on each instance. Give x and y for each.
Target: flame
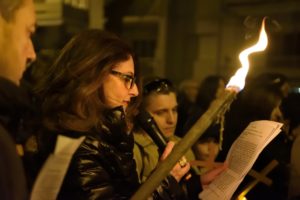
(238, 80)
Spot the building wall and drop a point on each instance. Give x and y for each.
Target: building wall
(209, 40)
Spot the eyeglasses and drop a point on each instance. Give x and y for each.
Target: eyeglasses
(129, 80)
(158, 85)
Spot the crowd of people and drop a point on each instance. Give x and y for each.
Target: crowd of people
(92, 89)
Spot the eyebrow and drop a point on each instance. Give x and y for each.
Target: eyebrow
(115, 67)
(166, 109)
(128, 73)
(161, 110)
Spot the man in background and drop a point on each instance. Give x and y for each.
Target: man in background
(17, 24)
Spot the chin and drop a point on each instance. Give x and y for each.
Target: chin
(168, 134)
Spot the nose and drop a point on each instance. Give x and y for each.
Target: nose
(31, 55)
(134, 91)
(171, 118)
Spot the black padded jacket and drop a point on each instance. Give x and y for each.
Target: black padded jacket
(103, 167)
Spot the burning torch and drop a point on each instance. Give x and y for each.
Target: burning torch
(216, 109)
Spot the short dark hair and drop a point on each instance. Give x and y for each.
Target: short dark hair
(9, 7)
(155, 85)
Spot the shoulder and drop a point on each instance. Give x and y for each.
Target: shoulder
(145, 145)
(142, 140)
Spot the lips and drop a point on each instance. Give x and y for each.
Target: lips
(169, 130)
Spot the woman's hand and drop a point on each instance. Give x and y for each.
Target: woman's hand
(178, 171)
(210, 175)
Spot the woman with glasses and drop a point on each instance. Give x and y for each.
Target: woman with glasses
(91, 90)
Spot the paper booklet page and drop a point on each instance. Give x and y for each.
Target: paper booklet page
(241, 157)
(51, 176)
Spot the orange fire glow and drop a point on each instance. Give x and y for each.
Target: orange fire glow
(238, 80)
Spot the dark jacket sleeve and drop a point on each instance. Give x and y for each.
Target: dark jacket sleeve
(169, 189)
(192, 187)
(12, 178)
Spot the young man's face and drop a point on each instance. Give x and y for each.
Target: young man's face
(163, 108)
(16, 47)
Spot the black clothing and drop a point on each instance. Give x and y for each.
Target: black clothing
(103, 166)
(17, 116)
(12, 178)
(15, 107)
